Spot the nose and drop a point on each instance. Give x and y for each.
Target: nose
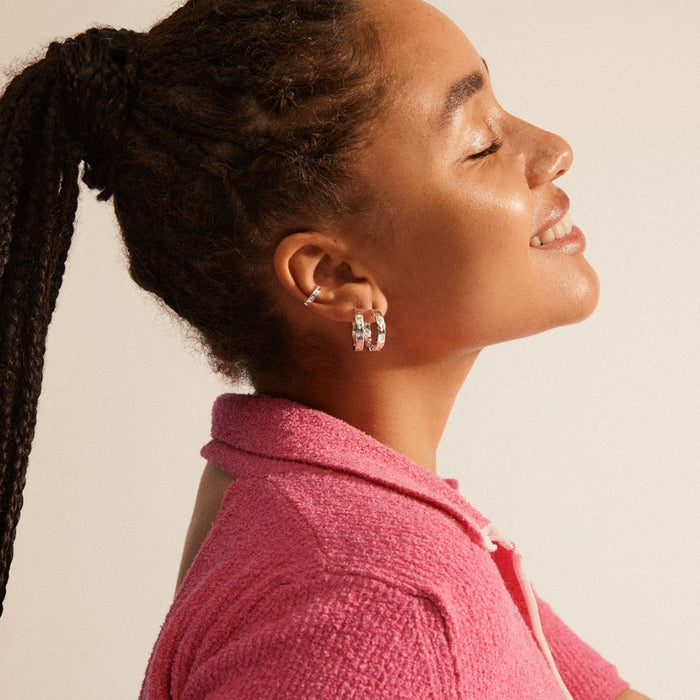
(545, 155)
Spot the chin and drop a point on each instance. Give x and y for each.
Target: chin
(583, 299)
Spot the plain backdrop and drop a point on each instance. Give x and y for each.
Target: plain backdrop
(582, 444)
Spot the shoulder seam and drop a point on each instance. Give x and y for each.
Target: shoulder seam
(404, 592)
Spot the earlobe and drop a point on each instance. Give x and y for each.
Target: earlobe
(304, 261)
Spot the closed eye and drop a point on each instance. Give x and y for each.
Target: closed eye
(487, 152)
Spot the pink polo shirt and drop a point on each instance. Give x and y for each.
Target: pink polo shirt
(338, 568)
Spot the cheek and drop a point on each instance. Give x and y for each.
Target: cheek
(486, 239)
(464, 225)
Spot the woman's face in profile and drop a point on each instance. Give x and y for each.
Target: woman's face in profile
(462, 188)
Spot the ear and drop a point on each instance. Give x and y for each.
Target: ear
(307, 259)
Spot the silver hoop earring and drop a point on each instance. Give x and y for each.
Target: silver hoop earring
(313, 296)
(381, 333)
(358, 331)
(362, 332)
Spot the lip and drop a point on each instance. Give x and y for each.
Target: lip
(574, 242)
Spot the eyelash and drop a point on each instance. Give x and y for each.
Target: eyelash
(489, 151)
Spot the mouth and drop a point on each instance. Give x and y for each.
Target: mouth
(560, 230)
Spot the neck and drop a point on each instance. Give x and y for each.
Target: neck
(405, 408)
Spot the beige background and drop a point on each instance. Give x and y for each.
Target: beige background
(581, 444)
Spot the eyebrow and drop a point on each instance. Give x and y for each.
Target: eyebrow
(459, 93)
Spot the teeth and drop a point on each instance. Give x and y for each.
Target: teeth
(548, 236)
(559, 230)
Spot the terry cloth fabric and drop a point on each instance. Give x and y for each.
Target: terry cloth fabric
(338, 568)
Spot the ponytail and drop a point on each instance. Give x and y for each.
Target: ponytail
(216, 134)
(65, 109)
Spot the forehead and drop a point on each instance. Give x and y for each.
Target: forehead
(417, 38)
(424, 58)
(424, 54)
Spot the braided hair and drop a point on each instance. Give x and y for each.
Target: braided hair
(227, 126)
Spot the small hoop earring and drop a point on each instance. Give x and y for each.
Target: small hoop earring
(358, 331)
(362, 332)
(313, 296)
(381, 333)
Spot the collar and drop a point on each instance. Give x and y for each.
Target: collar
(279, 429)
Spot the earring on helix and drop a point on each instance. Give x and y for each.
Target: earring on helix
(313, 296)
(362, 332)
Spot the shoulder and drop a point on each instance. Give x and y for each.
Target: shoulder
(325, 632)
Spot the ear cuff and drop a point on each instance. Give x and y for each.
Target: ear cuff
(313, 296)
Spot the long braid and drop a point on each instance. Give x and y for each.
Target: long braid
(16, 123)
(40, 152)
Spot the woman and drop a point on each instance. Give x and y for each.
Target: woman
(329, 193)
